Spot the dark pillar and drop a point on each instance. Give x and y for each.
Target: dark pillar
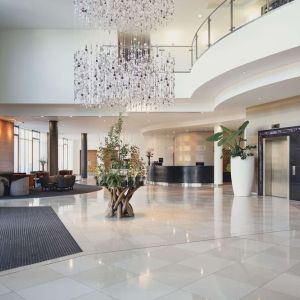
(53, 148)
(83, 153)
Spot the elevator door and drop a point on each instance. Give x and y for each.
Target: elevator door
(277, 167)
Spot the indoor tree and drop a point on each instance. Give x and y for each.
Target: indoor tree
(120, 171)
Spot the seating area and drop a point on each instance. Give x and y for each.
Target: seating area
(21, 184)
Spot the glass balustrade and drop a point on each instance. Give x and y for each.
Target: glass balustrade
(229, 16)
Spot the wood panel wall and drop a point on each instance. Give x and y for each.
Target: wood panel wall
(92, 160)
(6, 146)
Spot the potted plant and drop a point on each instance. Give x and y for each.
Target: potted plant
(43, 162)
(119, 171)
(149, 155)
(242, 158)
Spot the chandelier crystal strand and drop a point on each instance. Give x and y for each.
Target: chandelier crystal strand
(138, 78)
(125, 15)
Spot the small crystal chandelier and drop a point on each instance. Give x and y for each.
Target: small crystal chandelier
(137, 78)
(125, 15)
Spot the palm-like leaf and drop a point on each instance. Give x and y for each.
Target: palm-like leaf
(215, 137)
(232, 139)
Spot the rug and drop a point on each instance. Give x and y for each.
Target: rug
(31, 235)
(38, 193)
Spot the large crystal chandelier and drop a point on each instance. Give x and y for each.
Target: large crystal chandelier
(125, 15)
(138, 78)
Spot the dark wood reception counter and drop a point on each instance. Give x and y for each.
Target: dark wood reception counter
(181, 174)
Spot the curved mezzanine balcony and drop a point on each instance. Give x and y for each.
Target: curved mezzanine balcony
(264, 52)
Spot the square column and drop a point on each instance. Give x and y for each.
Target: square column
(84, 156)
(53, 148)
(218, 160)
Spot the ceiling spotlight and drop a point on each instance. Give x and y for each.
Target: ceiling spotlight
(199, 16)
(42, 116)
(71, 116)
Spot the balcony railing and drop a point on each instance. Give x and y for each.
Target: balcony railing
(227, 17)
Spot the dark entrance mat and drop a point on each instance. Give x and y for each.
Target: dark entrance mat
(29, 235)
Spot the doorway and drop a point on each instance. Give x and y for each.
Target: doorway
(276, 166)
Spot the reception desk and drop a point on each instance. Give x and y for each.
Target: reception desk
(185, 175)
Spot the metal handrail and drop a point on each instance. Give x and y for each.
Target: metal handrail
(207, 22)
(209, 17)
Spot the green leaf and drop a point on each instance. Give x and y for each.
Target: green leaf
(215, 137)
(243, 127)
(225, 129)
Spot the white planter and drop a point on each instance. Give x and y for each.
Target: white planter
(242, 175)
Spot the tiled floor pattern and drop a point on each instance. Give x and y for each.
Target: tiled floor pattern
(183, 244)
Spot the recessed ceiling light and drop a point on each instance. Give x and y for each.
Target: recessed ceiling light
(71, 116)
(99, 117)
(199, 16)
(42, 116)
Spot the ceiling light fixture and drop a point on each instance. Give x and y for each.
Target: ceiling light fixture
(136, 77)
(128, 16)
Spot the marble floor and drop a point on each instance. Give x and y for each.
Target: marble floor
(183, 244)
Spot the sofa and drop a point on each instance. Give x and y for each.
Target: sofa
(20, 187)
(11, 177)
(4, 186)
(57, 182)
(65, 172)
(66, 182)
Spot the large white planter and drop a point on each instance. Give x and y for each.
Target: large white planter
(242, 175)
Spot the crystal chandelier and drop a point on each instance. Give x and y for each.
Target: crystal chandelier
(125, 15)
(137, 78)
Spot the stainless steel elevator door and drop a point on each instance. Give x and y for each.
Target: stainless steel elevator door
(277, 167)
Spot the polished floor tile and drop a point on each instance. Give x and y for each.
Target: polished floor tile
(182, 295)
(218, 287)
(73, 266)
(10, 296)
(61, 289)
(21, 280)
(246, 273)
(139, 288)
(171, 254)
(176, 275)
(206, 264)
(102, 276)
(3, 290)
(288, 284)
(94, 296)
(141, 264)
(184, 243)
(295, 270)
(264, 294)
(272, 262)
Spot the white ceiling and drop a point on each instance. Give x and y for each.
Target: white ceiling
(59, 14)
(164, 123)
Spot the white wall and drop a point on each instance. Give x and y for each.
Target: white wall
(192, 147)
(40, 63)
(162, 145)
(37, 65)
